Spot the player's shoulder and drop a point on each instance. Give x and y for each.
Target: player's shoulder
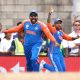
(41, 23)
(26, 21)
(54, 28)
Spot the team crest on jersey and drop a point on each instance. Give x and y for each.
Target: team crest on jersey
(27, 26)
(36, 28)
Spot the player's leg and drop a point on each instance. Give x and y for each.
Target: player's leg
(55, 59)
(62, 62)
(27, 51)
(49, 67)
(35, 54)
(43, 64)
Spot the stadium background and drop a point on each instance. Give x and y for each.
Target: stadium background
(13, 11)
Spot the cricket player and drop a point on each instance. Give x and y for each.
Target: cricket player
(33, 29)
(54, 52)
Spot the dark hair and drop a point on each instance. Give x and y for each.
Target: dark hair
(33, 14)
(19, 23)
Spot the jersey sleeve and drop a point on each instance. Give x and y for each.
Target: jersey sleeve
(66, 37)
(47, 32)
(52, 29)
(15, 29)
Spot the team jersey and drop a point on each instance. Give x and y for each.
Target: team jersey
(33, 32)
(58, 35)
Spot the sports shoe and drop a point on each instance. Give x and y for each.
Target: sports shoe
(42, 64)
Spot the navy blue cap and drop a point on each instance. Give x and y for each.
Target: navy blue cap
(33, 13)
(56, 20)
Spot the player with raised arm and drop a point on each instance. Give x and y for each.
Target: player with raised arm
(54, 53)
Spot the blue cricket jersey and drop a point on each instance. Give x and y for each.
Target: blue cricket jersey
(32, 33)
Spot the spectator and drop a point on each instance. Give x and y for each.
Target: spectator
(44, 49)
(72, 48)
(5, 45)
(17, 44)
(2, 35)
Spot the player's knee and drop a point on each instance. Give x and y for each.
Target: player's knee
(33, 60)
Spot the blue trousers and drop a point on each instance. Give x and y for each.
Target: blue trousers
(57, 60)
(32, 53)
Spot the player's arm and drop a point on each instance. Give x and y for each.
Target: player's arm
(15, 29)
(48, 33)
(52, 29)
(66, 37)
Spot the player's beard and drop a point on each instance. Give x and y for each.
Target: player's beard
(34, 20)
(58, 28)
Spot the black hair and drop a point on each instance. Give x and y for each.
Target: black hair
(19, 23)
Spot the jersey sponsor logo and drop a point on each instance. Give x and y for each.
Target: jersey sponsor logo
(31, 32)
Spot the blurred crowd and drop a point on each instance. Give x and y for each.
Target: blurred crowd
(11, 43)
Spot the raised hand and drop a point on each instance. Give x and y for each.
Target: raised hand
(51, 10)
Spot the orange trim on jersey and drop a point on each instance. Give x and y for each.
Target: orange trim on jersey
(16, 28)
(46, 31)
(52, 29)
(66, 37)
